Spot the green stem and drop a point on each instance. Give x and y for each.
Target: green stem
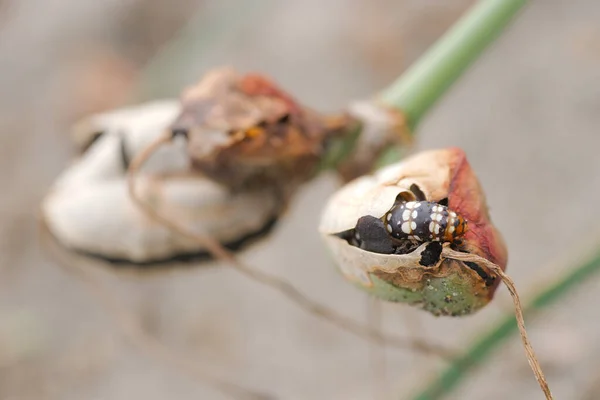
(483, 348)
(417, 90)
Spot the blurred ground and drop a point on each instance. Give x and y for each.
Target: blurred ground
(527, 116)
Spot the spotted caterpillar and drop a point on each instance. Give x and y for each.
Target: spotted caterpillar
(424, 221)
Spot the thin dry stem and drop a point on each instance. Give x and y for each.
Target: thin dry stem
(285, 288)
(133, 331)
(510, 285)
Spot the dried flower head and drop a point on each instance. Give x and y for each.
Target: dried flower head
(245, 131)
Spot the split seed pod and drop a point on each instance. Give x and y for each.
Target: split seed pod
(89, 210)
(387, 231)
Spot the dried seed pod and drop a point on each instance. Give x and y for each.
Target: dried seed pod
(139, 124)
(89, 209)
(363, 226)
(244, 131)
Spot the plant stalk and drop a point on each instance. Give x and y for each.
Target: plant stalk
(422, 85)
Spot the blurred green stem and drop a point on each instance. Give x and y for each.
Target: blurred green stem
(456, 372)
(417, 90)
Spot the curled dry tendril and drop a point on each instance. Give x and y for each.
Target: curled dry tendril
(283, 287)
(512, 289)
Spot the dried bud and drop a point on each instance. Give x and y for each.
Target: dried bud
(244, 131)
(387, 232)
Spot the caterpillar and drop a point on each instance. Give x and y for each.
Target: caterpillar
(424, 221)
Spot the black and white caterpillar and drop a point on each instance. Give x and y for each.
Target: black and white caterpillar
(424, 221)
(407, 225)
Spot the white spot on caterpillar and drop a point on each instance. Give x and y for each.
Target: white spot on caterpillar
(412, 205)
(406, 215)
(450, 220)
(413, 225)
(437, 229)
(451, 229)
(406, 227)
(414, 214)
(389, 228)
(439, 217)
(431, 226)
(388, 216)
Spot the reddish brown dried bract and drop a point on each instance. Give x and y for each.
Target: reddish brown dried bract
(257, 85)
(244, 131)
(467, 198)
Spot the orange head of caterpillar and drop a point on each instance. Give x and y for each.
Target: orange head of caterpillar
(456, 227)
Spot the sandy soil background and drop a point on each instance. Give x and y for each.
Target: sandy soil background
(527, 115)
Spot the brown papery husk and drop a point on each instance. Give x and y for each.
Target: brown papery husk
(244, 131)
